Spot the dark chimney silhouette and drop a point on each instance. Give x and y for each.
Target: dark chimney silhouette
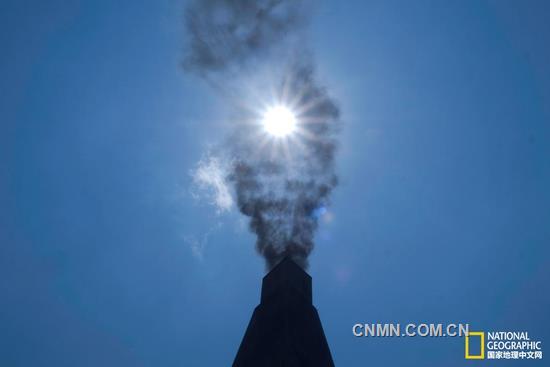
(285, 329)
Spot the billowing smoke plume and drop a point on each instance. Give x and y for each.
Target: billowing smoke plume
(282, 187)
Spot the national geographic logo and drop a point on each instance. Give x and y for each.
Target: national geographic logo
(501, 345)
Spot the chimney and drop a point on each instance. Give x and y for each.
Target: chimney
(285, 329)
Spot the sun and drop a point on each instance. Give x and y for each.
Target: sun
(279, 121)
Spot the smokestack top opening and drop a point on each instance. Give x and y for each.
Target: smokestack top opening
(287, 282)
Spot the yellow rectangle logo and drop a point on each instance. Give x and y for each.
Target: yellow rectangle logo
(467, 354)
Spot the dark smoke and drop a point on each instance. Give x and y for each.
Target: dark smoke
(227, 34)
(282, 189)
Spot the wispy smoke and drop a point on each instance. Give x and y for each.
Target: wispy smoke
(282, 189)
(210, 179)
(198, 244)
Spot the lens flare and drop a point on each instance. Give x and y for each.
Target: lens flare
(279, 121)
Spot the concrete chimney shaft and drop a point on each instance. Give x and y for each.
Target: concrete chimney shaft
(285, 329)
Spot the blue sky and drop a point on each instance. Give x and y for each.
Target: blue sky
(442, 213)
